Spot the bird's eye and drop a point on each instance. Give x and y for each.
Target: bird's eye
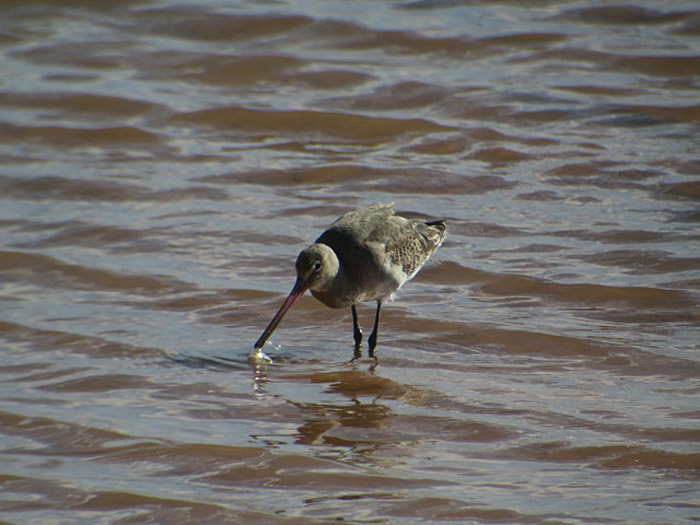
(317, 266)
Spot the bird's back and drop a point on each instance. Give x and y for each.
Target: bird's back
(379, 251)
(418, 242)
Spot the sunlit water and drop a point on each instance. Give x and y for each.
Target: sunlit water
(163, 164)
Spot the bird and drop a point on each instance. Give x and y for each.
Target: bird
(365, 255)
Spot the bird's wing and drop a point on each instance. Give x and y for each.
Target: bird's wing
(409, 242)
(352, 238)
(360, 226)
(365, 218)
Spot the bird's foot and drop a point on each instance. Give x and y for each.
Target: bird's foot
(357, 353)
(372, 345)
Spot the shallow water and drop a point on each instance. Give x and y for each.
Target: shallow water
(163, 164)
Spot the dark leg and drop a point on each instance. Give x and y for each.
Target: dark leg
(373, 337)
(356, 333)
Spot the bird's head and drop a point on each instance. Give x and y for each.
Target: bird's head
(317, 267)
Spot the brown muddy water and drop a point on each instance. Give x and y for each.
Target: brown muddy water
(164, 162)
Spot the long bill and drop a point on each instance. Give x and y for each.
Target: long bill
(298, 290)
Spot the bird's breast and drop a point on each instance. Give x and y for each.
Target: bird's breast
(332, 300)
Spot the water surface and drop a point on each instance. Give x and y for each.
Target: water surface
(163, 164)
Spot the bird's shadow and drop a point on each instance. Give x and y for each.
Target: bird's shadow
(286, 366)
(357, 379)
(355, 407)
(343, 403)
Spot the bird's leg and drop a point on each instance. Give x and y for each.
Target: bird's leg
(356, 333)
(373, 336)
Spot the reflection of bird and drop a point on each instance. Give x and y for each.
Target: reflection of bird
(366, 255)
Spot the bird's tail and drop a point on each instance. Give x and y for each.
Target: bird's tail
(437, 232)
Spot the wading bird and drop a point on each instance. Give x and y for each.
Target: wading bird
(366, 255)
